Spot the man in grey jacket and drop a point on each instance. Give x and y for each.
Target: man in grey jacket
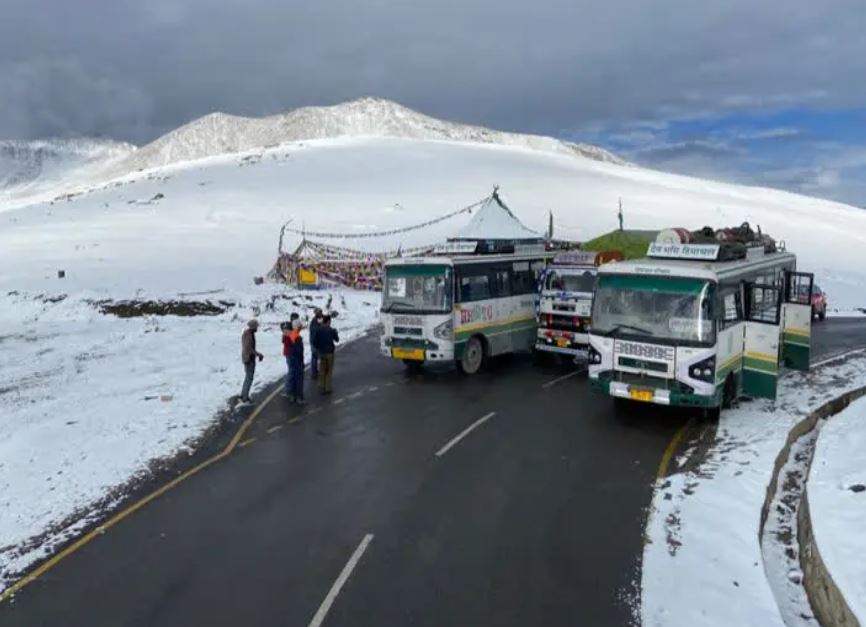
(248, 357)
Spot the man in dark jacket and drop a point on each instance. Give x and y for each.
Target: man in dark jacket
(326, 337)
(293, 349)
(248, 357)
(314, 354)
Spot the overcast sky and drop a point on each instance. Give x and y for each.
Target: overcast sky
(737, 89)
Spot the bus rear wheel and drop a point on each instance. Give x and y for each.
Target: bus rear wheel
(473, 356)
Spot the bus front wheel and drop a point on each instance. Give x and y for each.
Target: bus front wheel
(711, 414)
(473, 356)
(729, 392)
(413, 366)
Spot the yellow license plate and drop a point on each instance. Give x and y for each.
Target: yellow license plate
(408, 353)
(641, 395)
(562, 342)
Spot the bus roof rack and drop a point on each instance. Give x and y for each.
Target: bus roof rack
(708, 244)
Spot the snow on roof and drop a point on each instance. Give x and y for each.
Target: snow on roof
(494, 221)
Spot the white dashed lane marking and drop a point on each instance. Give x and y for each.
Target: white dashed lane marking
(562, 378)
(322, 612)
(464, 433)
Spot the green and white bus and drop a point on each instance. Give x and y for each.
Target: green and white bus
(681, 327)
(459, 307)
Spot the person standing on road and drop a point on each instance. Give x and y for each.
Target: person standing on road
(314, 354)
(293, 349)
(326, 338)
(286, 328)
(248, 357)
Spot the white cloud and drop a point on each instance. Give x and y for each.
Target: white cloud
(770, 133)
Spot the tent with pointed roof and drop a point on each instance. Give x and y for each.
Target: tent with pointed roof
(494, 221)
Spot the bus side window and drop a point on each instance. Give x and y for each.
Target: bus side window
(523, 282)
(732, 308)
(474, 288)
(762, 303)
(502, 280)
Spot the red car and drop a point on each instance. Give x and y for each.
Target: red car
(819, 303)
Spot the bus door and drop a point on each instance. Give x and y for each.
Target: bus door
(761, 340)
(797, 320)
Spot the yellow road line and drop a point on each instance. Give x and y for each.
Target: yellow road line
(671, 449)
(111, 522)
(294, 420)
(246, 442)
(275, 428)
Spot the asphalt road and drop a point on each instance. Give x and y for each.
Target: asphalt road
(534, 517)
(836, 335)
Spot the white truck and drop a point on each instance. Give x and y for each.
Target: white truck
(565, 301)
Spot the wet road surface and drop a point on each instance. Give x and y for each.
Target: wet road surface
(531, 513)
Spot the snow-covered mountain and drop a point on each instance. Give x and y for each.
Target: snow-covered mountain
(220, 133)
(28, 167)
(24, 162)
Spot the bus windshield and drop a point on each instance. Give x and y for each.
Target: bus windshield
(569, 280)
(667, 308)
(418, 289)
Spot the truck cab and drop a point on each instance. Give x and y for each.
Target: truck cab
(565, 293)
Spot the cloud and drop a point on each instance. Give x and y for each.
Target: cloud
(690, 149)
(57, 97)
(559, 64)
(769, 133)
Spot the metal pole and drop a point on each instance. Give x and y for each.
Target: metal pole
(282, 233)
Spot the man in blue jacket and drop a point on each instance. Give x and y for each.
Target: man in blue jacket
(293, 349)
(326, 338)
(315, 323)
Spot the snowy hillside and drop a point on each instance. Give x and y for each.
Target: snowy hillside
(214, 223)
(219, 133)
(30, 167)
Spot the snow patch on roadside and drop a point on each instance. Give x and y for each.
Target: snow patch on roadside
(837, 502)
(703, 563)
(781, 548)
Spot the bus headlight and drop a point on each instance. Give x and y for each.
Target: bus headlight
(445, 330)
(594, 356)
(704, 370)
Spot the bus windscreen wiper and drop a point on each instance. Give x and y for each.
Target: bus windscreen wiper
(400, 303)
(632, 327)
